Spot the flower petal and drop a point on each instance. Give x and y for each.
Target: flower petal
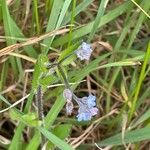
(84, 116)
(94, 111)
(91, 101)
(67, 94)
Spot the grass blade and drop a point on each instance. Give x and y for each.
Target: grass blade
(54, 139)
(52, 21)
(140, 81)
(97, 21)
(130, 137)
(79, 8)
(87, 28)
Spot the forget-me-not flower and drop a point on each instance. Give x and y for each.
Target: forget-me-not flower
(84, 51)
(91, 101)
(87, 105)
(84, 116)
(87, 108)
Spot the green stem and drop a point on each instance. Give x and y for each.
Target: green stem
(64, 77)
(141, 78)
(67, 83)
(35, 2)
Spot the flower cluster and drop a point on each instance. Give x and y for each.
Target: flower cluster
(84, 51)
(87, 106)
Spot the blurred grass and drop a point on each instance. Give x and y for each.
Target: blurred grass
(36, 16)
(118, 77)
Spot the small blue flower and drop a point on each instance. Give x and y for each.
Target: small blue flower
(87, 108)
(87, 105)
(84, 51)
(91, 101)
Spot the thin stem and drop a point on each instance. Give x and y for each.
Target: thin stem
(35, 2)
(63, 59)
(50, 65)
(64, 77)
(141, 9)
(67, 85)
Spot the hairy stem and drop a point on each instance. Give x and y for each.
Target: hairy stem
(39, 104)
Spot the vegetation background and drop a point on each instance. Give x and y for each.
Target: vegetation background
(117, 74)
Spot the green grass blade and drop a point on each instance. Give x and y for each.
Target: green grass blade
(15, 62)
(16, 141)
(35, 4)
(87, 28)
(143, 97)
(138, 23)
(140, 81)
(48, 5)
(16, 32)
(54, 139)
(52, 21)
(131, 40)
(63, 12)
(79, 8)
(61, 17)
(97, 21)
(28, 49)
(71, 22)
(3, 75)
(130, 137)
(142, 119)
(141, 9)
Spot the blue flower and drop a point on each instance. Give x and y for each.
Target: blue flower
(87, 108)
(91, 101)
(87, 105)
(84, 51)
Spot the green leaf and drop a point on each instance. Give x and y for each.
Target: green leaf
(55, 140)
(143, 118)
(29, 119)
(40, 69)
(130, 137)
(61, 131)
